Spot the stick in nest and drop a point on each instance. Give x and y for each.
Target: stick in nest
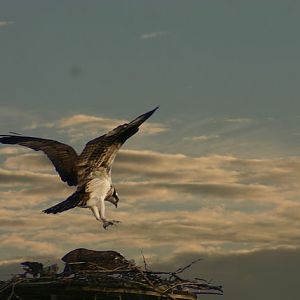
(181, 269)
(144, 260)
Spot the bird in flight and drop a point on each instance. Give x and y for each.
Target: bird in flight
(90, 171)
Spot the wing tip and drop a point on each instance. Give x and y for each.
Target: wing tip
(142, 118)
(155, 109)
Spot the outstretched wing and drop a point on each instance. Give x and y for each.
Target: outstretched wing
(101, 152)
(61, 155)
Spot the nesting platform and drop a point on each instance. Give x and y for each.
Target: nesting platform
(57, 290)
(105, 275)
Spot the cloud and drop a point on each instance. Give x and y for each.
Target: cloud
(29, 162)
(38, 124)
(152, 173)
(11, 177)
(239, 120)
(12, 150)
(81, 126)
(14, 240)
(93, 122)
(201, 138)
(20, 118)
(153, 35)
(5, 23)
(168, 201)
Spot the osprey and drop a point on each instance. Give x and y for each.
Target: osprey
(90, 171)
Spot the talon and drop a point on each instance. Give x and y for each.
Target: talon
(107, 223)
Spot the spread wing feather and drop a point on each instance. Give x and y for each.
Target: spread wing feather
(61, 155)
(101, 152)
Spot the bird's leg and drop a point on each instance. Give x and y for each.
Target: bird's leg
(100, 217)
(106, 223)
(95, 212)
(102, 209)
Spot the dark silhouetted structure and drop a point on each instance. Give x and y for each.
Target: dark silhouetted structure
(105, 275)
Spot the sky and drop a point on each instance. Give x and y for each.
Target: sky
(213, 174)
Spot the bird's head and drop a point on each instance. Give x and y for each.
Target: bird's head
(114, 197)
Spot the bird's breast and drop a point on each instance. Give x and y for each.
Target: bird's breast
(98, 188)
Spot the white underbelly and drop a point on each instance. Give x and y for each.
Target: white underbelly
(97, 189)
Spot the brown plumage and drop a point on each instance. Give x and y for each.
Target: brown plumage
(90, 171)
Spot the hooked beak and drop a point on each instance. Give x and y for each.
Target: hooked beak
(116, 196)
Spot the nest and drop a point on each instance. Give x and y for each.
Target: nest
(103, 270)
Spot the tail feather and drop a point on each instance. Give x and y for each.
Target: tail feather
(67, 204)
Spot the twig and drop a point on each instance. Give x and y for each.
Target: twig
(176, 285)
(145, 263)
(208, 293)
(181, 269)
(12, 293)
(204, 280)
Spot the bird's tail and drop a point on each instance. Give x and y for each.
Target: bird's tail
(69, 203)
